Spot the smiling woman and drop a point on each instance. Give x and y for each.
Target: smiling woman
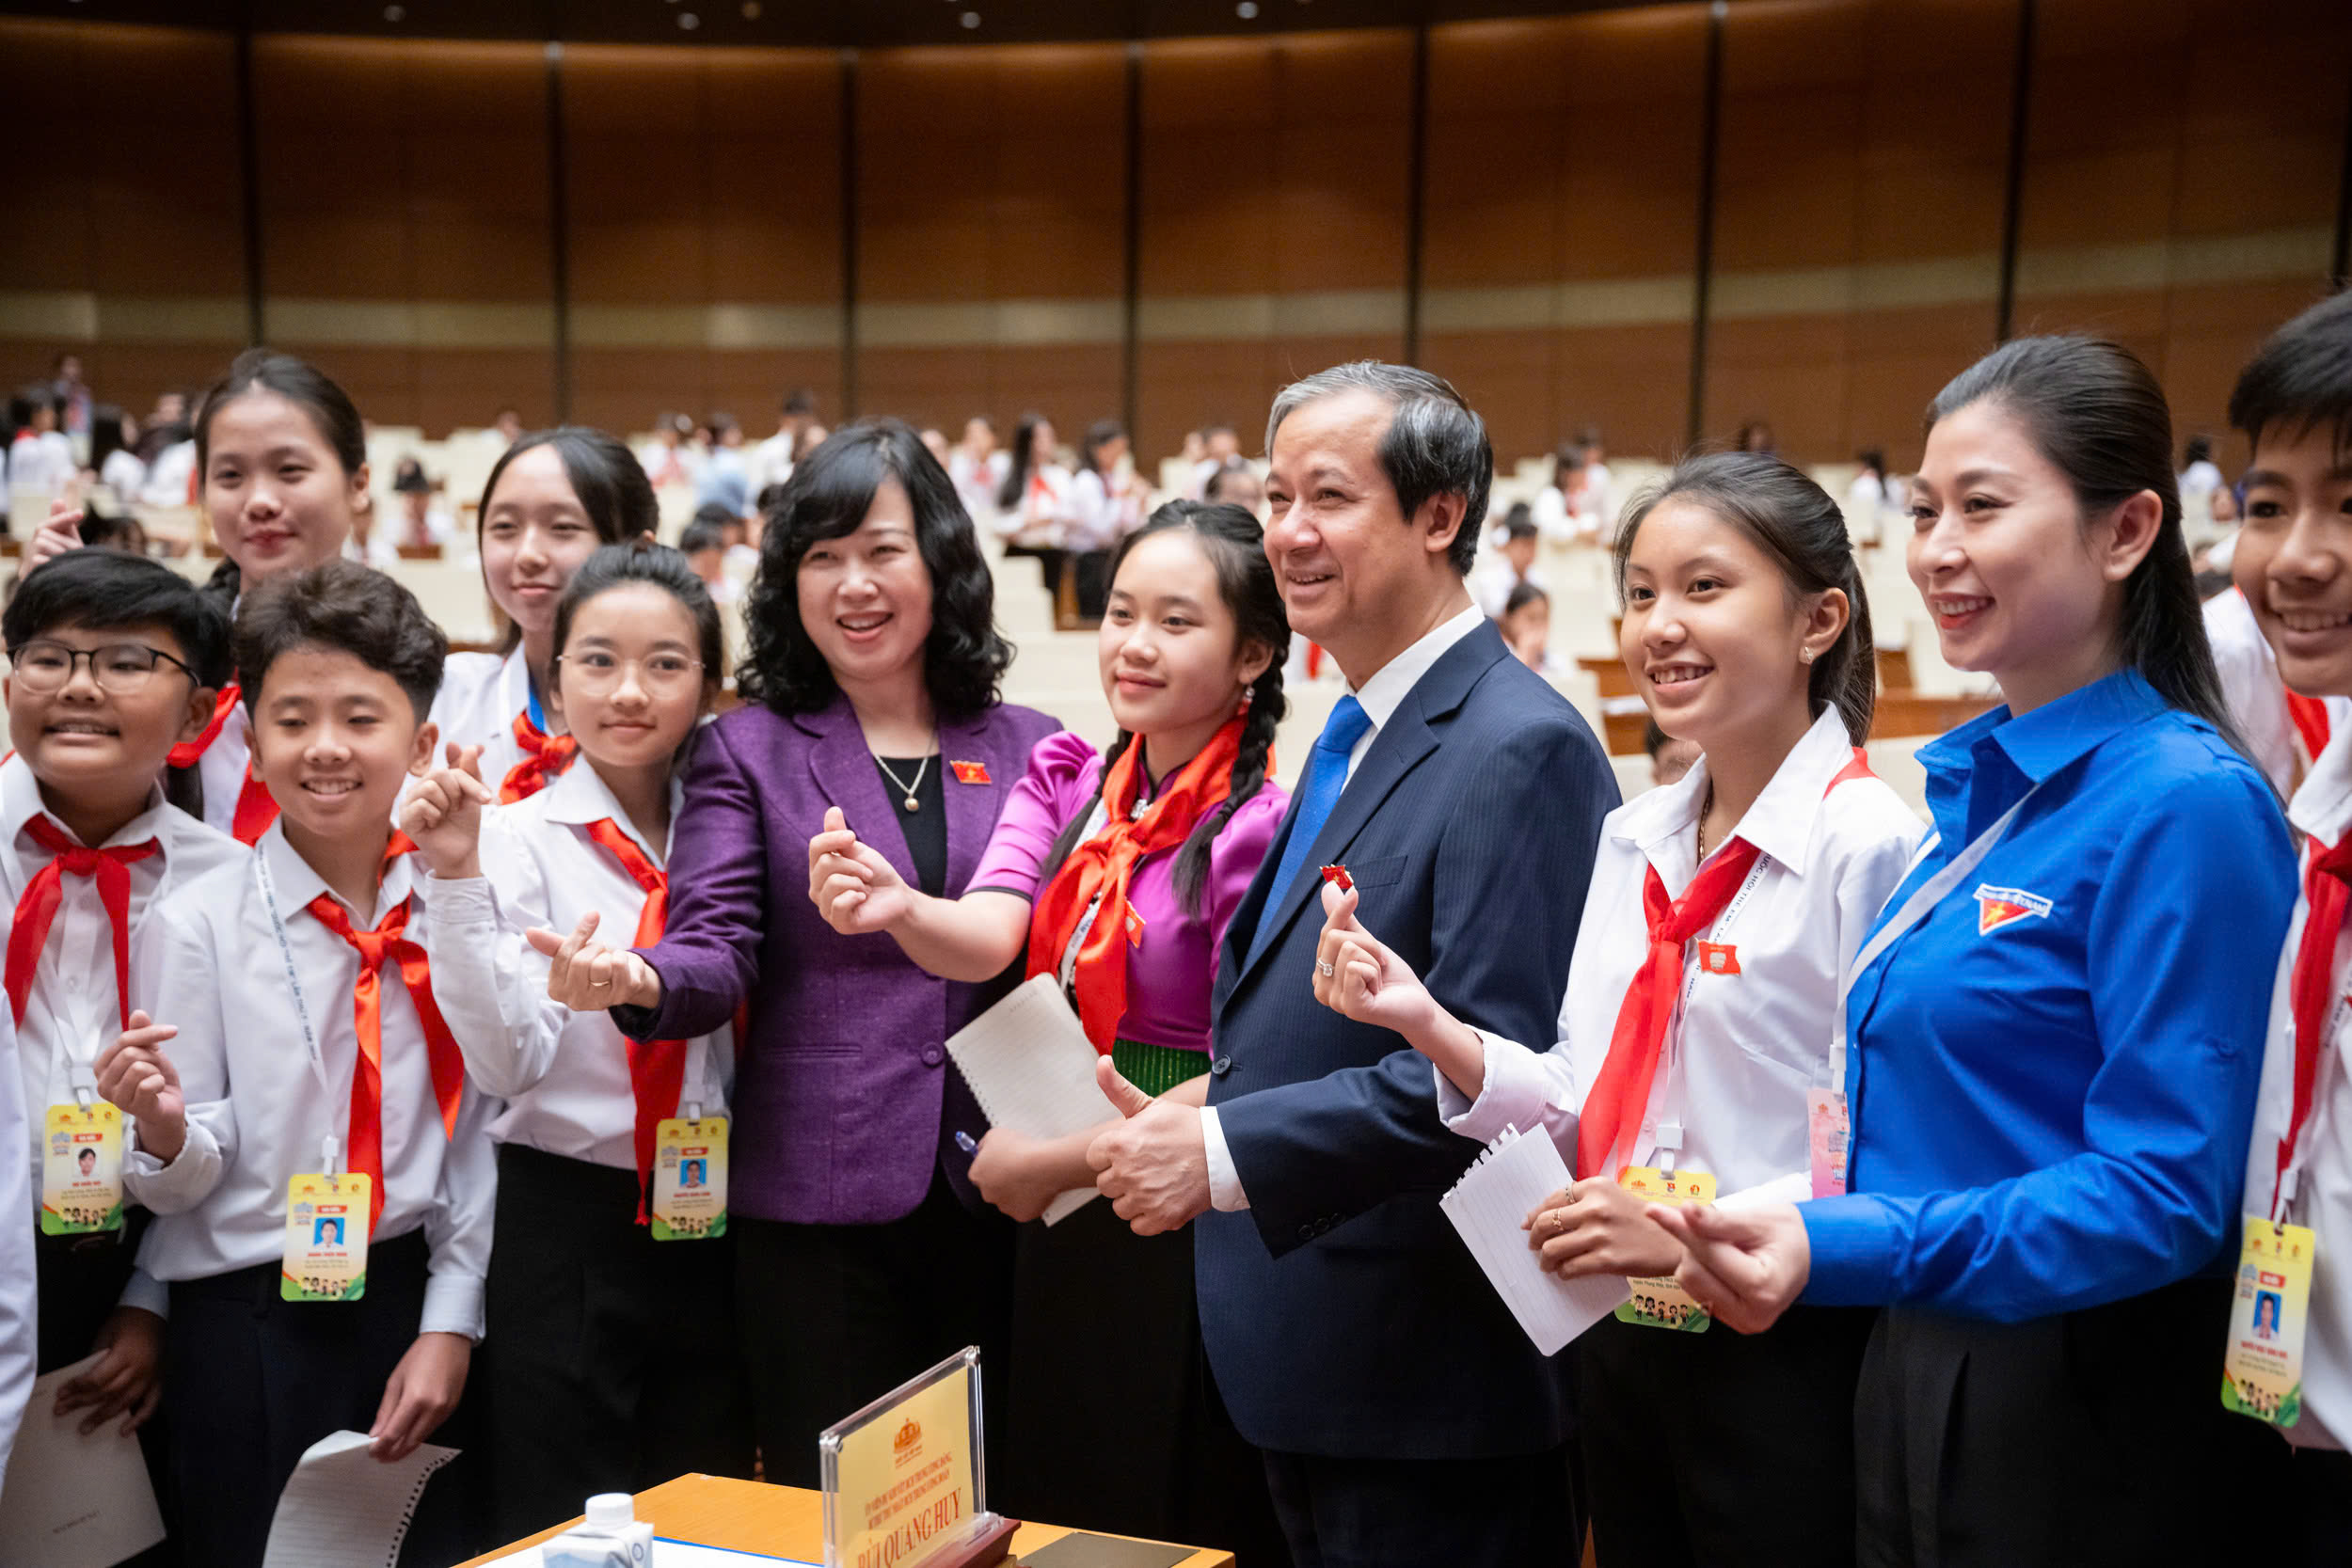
(2043, 1041)
(548, 503)
(870, 697)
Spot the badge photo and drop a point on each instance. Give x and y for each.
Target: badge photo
(1661, 1303)
(2262, 1370)
(327, 1218)
(690, 1179)
(81, 1170)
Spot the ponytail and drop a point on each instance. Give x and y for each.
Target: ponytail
(1803, 531)
(2094, 411)
(1248, 777)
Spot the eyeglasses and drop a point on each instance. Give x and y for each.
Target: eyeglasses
(597, 672)
(120, 669)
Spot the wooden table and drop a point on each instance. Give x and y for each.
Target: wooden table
(783, 1521)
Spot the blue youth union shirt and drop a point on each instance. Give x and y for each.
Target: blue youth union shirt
(2052, 1074)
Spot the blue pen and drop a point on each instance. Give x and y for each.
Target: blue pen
(963, 1141)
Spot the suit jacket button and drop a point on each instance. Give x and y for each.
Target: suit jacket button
(1306, 1232)
(1222, 1066)
(932, 1056)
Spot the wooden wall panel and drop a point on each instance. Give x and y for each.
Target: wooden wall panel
(1857, 239)
(125, 192)
(1562, 191)
(1274, 184)
(2181, 175)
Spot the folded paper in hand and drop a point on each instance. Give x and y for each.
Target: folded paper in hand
(1487, 1205)
(1031, 1068)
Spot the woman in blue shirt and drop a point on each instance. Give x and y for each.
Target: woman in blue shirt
(2052, 1035)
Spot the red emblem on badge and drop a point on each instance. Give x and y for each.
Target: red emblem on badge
(1337, 876)
(1719, 957)
(969, 772)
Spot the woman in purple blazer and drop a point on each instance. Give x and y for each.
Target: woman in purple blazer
(862, 1255)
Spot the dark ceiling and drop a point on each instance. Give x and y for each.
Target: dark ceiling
(870, 23)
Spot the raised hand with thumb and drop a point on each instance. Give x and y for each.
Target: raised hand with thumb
(852, 886)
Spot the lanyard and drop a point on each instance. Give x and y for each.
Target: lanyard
(294, 980)
(1667, 1136)
(1915, 908)
(2291, 1141)
(531, 705)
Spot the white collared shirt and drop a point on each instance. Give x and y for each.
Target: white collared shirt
(1379, 696)
(222, 769)
(1742, 1048)
(1385, 692)
(2323, 1196)
(479, 696)
(262, 1100)
(74, 1011)
(564, 1075)
(20, 1282)
(771, 462)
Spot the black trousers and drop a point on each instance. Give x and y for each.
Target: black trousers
(1520, 1511)
(78, 1281)
(832, 1317)
(253, 1381)
(1106, 1337)
(1722, 1449)
(2322, 1487)
(2082, 1440)
(610, 1364)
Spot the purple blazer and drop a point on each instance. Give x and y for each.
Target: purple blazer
(838, 1086)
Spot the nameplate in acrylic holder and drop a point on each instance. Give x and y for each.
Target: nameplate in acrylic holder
(906, 1478)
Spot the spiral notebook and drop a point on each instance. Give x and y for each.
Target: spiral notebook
(1507, 1182)
(344, 1508)
(1032, 1069)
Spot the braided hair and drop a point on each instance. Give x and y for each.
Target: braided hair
(1235, 546)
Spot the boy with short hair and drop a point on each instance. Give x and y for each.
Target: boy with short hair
(2294, 565)
(113, 661)
(303, 1069)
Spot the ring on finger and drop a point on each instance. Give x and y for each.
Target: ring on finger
(1322, 968)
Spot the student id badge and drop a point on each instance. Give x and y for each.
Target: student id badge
(2262, 1375)
(1661, 1303)
(326, 1238)
(690, 1179)
(1827, 1132)
(81, 1170)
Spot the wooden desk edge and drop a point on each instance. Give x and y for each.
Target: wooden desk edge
(751, 1517)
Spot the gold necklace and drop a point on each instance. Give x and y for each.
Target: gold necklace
(1705, 806)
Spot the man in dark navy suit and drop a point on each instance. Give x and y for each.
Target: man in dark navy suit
(1405, 1417)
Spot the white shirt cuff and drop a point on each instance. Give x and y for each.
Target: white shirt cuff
(1794, 1187)
(463, 898)
(146, 1293)
(182, 1183)
(452, 1305)
(1514, 1092)
(1224, 1193)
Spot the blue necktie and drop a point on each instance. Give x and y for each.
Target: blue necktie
(1318, 792)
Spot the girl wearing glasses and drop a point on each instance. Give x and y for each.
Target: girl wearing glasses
(584, 1398)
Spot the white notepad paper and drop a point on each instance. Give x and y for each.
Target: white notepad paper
(75, 1501)
(1487, 1207)
(1031, 1068)
(344, 1508)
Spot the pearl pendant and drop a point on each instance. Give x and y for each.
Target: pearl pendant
(913, 804)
